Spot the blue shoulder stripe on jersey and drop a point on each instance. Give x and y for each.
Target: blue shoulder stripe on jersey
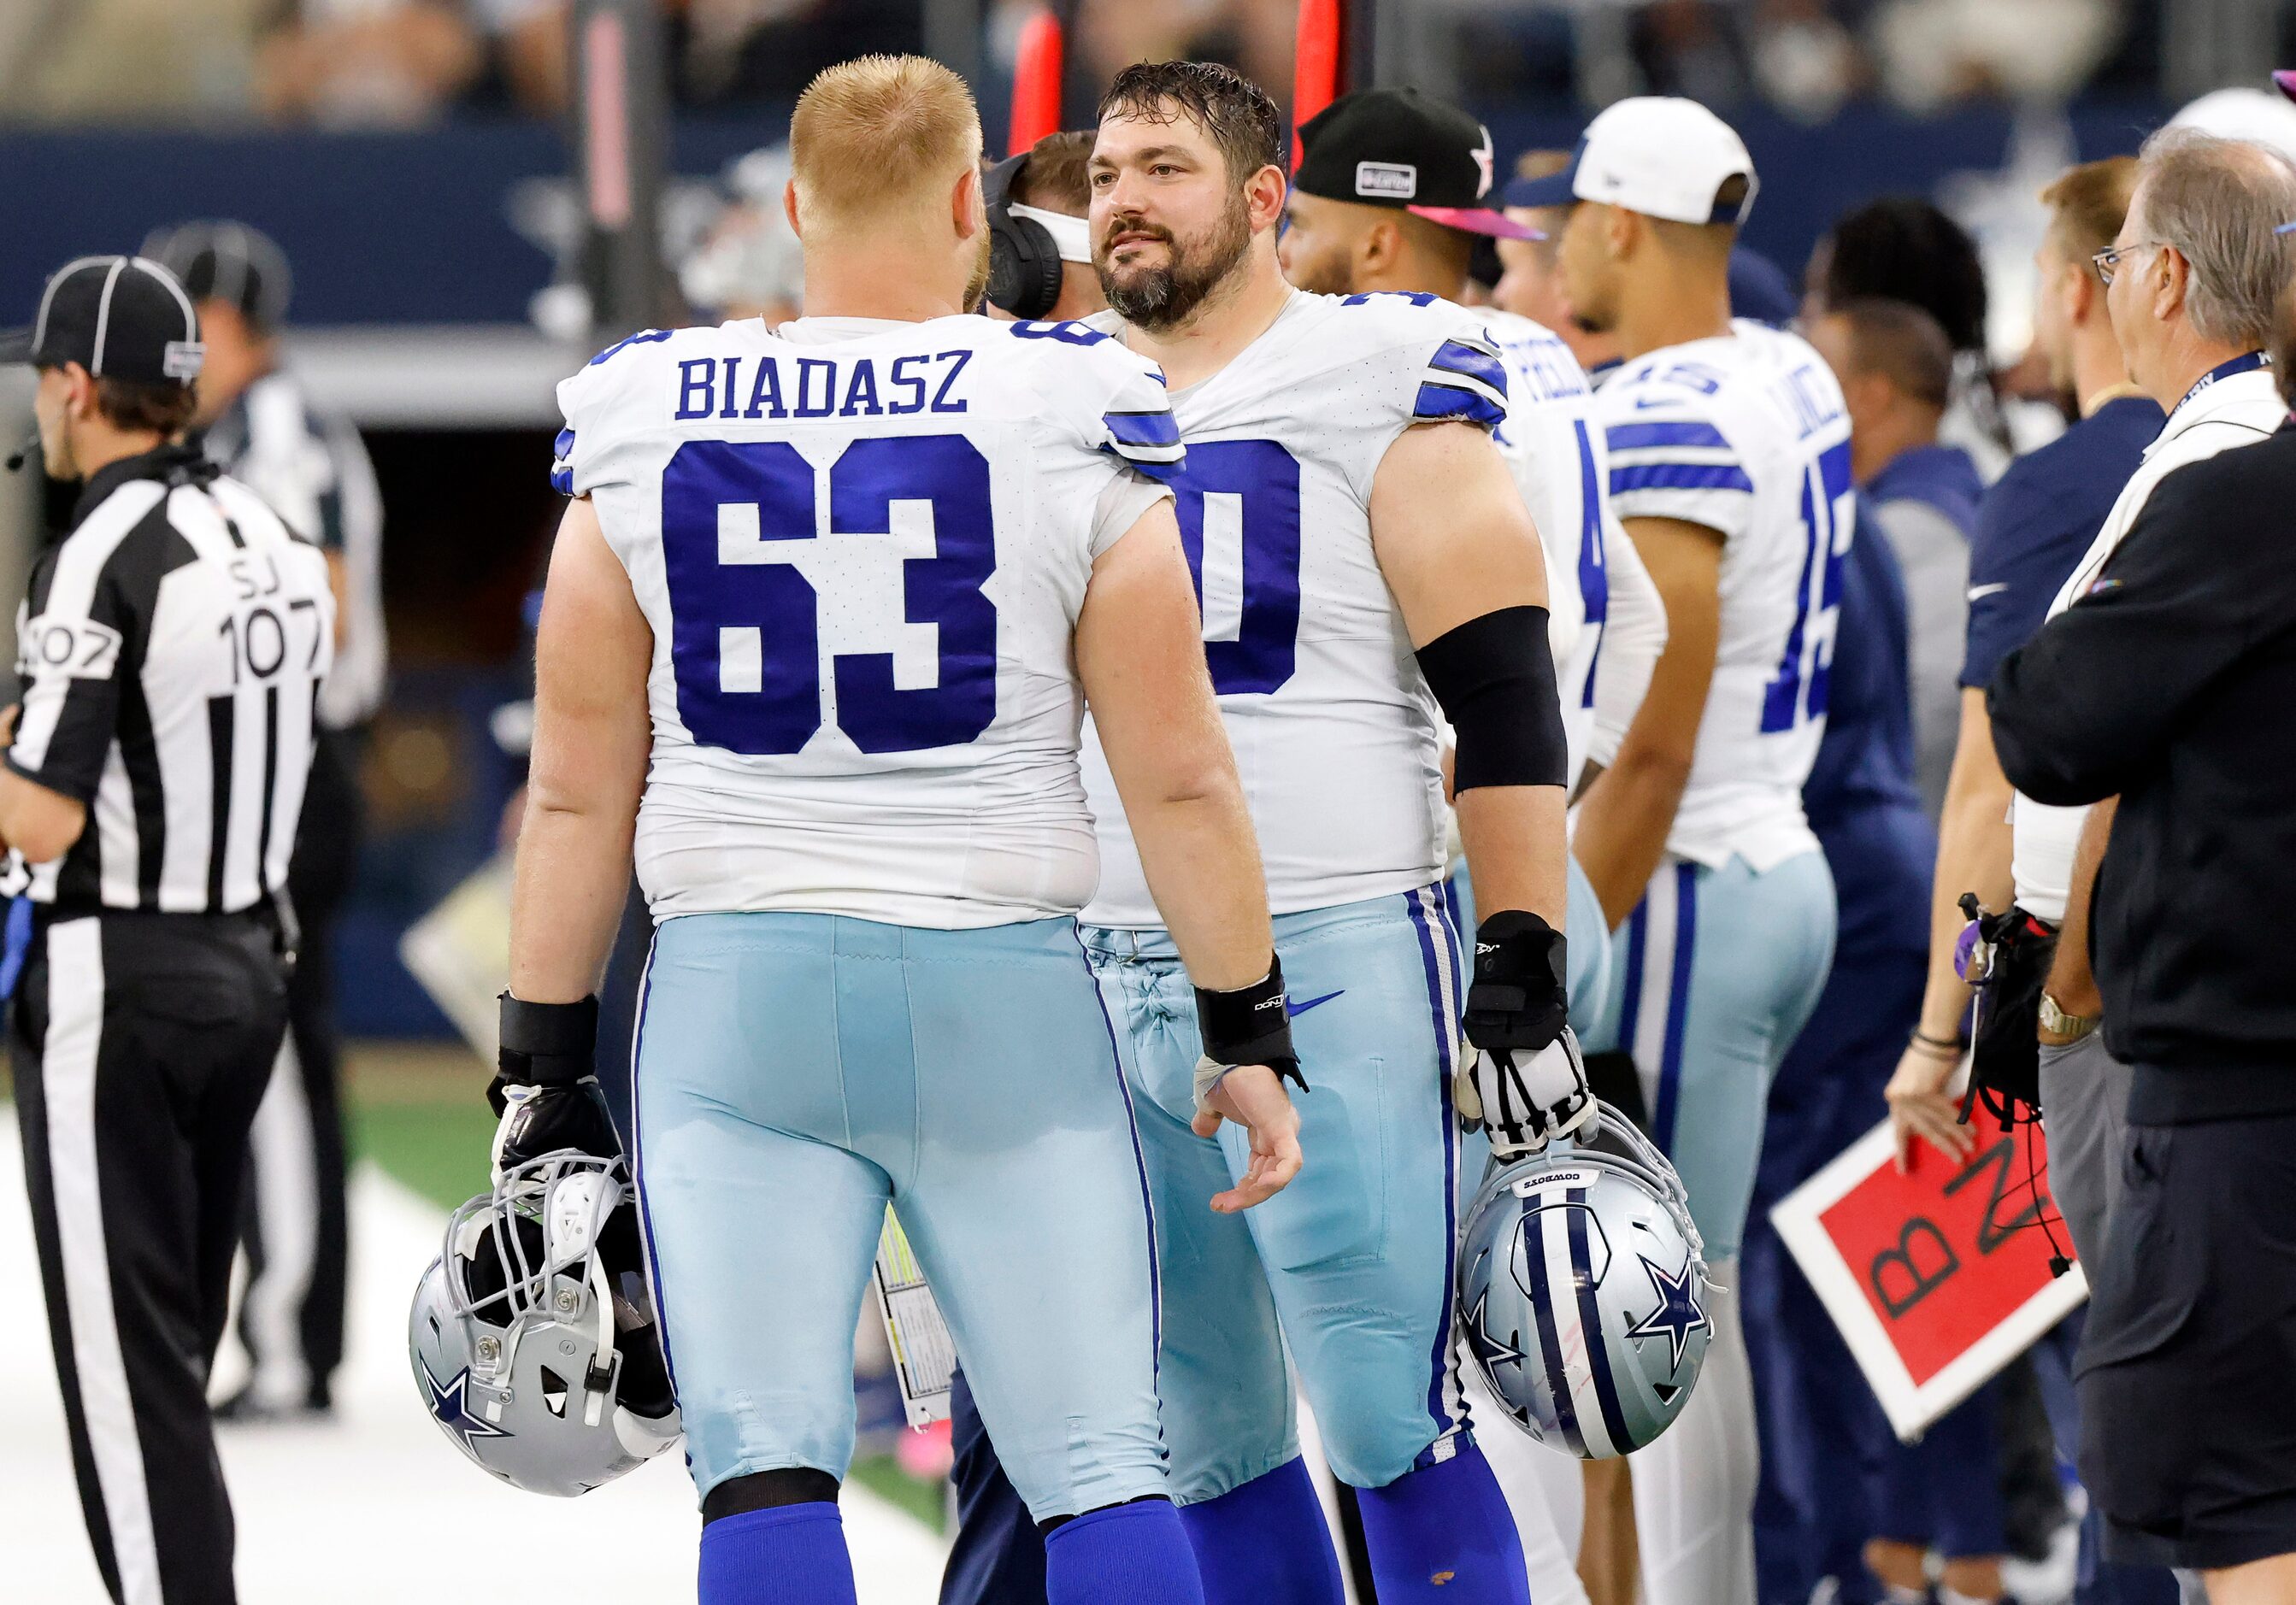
(1639, 437)
(1680, 476)
(1143, 428)
(562, 464)
(1456, 357)
(1442, 401)
(643, 337)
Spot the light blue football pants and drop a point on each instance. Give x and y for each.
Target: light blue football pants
(795, 1073)
(1352, 1262)
(1712, 979)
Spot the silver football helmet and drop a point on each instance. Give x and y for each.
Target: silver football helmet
(1582, 1284)
(533, 1334)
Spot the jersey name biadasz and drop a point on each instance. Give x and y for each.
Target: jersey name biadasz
(863, 546)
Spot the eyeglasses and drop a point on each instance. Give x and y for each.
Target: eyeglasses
(2109, 259)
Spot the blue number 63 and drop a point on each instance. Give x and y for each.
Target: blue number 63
(739, 535)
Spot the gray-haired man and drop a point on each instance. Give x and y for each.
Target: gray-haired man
(2192, 285)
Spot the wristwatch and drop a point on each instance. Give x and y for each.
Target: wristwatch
(2057, 1023)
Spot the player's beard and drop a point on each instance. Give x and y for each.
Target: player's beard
(1160, 299)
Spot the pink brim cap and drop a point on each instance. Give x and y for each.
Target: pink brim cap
(2286, 80)
(1477, 220)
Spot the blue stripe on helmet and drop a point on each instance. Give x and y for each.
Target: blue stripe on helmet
(1590, 1319)
(1550, 1341)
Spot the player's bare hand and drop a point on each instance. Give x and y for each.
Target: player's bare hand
(1920, 1107)
(8, 724)
(1253, 1096)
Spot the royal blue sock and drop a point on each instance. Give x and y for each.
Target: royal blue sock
(1128, 1554)
(1443, 1537)
(1266, 1543)
(791, 1555)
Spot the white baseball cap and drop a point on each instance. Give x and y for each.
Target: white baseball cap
(1653, 154)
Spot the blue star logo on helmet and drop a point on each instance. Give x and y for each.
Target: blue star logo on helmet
(450, 1405)
(1497, 1350)
(1678, 1313)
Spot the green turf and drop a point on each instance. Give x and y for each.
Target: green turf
(438, 1147)
(882, 1476)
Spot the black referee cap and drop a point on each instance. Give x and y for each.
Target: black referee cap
(118, 317)
(227, 261)
(1400, 148)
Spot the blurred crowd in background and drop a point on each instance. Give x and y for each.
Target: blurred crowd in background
(398, 63)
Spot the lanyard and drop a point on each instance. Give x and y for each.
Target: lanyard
(2223, 370)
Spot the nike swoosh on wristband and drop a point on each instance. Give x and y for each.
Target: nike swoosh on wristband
(1980, 593)
(1296, 1009)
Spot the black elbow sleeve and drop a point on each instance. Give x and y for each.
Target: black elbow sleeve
(1493, 678)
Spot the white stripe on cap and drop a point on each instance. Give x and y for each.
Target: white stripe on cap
(103, 315)
(47, 296)
(175, 288)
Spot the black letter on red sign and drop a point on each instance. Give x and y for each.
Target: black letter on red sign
(1992, 1231)
(1917, 1284)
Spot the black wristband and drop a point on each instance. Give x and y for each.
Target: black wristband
(1251, 1025)
(1519, 996)
(547, 1044)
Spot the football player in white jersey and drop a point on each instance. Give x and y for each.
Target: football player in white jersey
(1730, 467)
(1352, 228)
(819, 627)
(1364, 560)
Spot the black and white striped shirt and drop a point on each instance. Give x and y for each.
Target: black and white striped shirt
(171, 648)
(313, 469)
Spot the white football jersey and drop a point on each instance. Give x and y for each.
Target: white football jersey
(1554, 446)
(863, 546)
(1333, 726)
(1746, 434)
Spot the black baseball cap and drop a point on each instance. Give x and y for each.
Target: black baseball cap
(1400, 148)
(118, 317)
(227, 261)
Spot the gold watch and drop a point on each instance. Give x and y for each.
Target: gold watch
(2057, 1023)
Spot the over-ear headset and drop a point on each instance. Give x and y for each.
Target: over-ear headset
(1024, 263)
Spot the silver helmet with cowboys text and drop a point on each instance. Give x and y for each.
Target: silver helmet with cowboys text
(1583, 1291)
(533, 1334)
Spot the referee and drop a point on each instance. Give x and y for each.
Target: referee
(171, 647)
(256, 422)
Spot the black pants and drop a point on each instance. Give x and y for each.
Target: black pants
(298, 1228)
(141, 1045)
(2188, 1425)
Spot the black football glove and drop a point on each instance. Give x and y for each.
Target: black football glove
(1523, 1083)
(544, 1089)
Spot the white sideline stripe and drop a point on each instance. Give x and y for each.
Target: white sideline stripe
(418, 1513)
(285, 1178)
(68, 1072)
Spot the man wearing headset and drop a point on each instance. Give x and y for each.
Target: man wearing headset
(1040, 262)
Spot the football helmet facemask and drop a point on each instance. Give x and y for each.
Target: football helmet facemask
(533, 1334)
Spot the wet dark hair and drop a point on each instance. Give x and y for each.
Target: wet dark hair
(1237, 113)
(1902, 248)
